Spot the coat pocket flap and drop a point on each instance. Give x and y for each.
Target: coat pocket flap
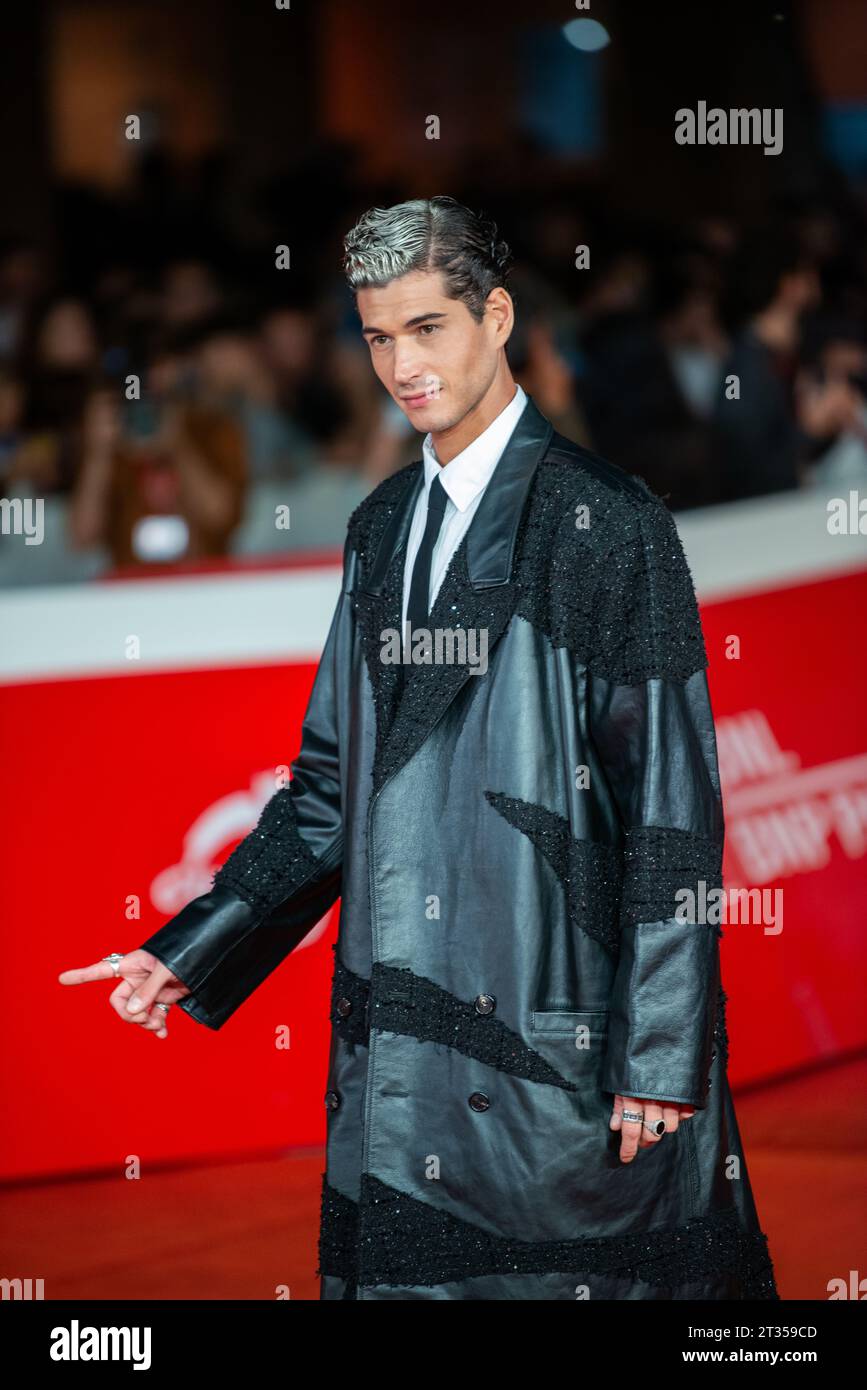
(567, 1021)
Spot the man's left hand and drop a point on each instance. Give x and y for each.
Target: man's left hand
(634, 1134)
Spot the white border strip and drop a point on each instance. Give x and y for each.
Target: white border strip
(765, 543)
(180, 624)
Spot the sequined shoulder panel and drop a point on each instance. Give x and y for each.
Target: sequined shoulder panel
(603, 573)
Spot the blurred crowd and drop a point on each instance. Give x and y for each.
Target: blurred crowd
(175, 406)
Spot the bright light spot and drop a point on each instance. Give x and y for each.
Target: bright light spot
(587, 34)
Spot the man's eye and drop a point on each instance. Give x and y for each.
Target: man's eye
(426, 328)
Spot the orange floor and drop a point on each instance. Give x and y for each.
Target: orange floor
(242, 1229)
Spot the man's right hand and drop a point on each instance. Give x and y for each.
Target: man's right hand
(142, 983)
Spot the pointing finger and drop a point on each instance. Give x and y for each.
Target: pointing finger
(83, 975)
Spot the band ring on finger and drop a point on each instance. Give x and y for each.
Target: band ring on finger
(165, 1007)
(656, 1127)
(114, 961)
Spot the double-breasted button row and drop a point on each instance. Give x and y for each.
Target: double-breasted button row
(478, 1101)
(712, 1060)
(484, 1005)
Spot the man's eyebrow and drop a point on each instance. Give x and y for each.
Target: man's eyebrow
(410, 323)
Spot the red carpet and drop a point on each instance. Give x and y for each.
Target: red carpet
(242, 1229)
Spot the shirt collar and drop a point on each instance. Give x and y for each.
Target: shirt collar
(464, 476)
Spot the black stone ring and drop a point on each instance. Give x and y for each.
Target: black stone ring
(657, 1127)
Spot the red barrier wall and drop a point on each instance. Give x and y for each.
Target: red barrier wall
(134, 783)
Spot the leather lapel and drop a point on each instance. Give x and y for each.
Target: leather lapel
(378, 602)
(477, 592)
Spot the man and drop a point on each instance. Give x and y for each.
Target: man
(527, 1094)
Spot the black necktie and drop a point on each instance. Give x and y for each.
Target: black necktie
(419, 589)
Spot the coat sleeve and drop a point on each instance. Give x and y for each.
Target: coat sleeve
(285, 875)
(652, 727)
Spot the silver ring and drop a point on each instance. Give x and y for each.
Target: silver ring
(635, 1116)
(115, 958)
(165, 1007)
(656, 1127)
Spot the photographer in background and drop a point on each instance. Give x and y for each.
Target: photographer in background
(163, 478)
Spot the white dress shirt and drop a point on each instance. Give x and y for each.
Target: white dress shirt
(464, 479)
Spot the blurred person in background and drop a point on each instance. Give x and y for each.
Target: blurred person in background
(538, 358)
(59, 363)
(189, 294)
(762, 436)
(325, 496)
(11, 410)
(288, 338)
(22, 281)
(836, 358)
(306, 356)
(235, 371)
(691, 335)
(652, 346)
(164, 477)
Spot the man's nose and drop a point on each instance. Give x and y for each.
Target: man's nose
(408, 367)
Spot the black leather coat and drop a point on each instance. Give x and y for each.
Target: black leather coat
(508, 845)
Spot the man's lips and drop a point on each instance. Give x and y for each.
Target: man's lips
(420, 399)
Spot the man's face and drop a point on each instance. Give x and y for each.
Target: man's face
(427, 350)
